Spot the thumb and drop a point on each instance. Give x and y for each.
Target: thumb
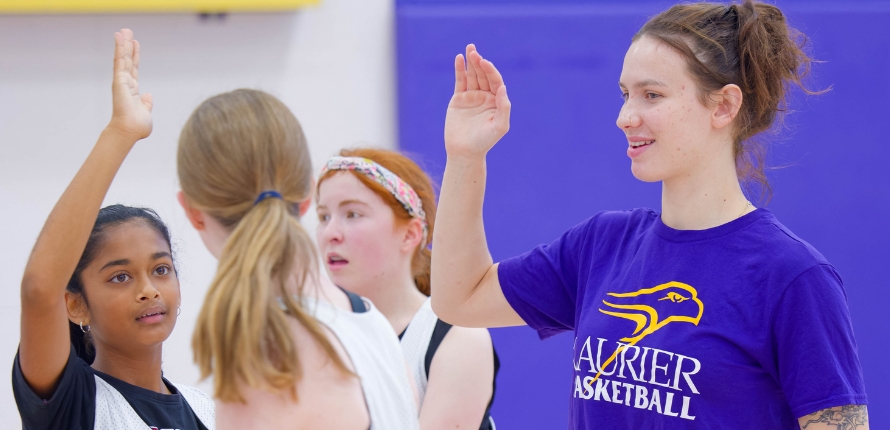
(502, 112)
(147, 101)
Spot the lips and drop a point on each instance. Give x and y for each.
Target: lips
(336, 260)
(641, 143)
(637, 145)
(152, 315)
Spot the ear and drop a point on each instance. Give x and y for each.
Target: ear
(195, 216)
(77, 309)
(413, 235)
(306, 204)
(729, 101)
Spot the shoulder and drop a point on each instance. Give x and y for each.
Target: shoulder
(466, 338)
(465, 351)
(72, 404)
(782, 249)
(607, 226)
(609, 221)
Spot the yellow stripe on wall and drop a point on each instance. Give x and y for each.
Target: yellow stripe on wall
(87, 6)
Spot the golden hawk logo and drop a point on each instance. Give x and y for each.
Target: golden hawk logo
(638, 307)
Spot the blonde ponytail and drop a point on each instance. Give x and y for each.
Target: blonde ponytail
(234, 146)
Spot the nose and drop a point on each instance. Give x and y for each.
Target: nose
(148, 291)
(627, 118)
(330, 232)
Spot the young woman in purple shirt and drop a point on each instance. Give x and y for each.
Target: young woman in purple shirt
(706, 314)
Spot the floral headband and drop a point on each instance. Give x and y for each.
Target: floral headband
(401, 190)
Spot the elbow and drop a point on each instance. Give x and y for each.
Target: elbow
(439, 308)
(443, 310)
(34, 288)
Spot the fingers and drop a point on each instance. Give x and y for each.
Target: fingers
(479, 73)
(118, 53)
(472, 81)
(495, 81)
(460, 74)
(477, 60)
(136, 60)
(123, 51)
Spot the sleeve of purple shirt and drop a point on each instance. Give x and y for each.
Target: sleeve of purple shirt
(813, 346)
(542, 284)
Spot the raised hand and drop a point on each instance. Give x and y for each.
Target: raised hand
(45, 344)
(479, 111)
(131, 115)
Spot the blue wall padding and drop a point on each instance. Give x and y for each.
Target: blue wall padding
(564, 159)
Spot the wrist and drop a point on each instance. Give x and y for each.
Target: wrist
(471, 158)
(118, 135)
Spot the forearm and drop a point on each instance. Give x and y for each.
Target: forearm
(460, 256)
(849, 417)
(65, 234)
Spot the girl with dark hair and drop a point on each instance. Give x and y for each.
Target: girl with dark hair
(100, 296)
(376, 214)
(706, 314)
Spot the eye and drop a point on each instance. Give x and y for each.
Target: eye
(324, 217)
(120, 278)
(624, 96)
(162, 270)
(352, 214)
(652, 96)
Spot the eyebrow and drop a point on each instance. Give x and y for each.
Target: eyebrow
(122, 262)
(645, 83)
(344, 203)
(125, 261)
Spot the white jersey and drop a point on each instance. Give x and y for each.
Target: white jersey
(416, 342)
(113, 411)
(416, 347)
(374, 349)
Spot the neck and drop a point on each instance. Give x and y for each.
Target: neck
(396, 296)
(141, 368)
(320, 287)
(707, 198)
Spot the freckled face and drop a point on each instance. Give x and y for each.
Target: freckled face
(667, 127)
(131, 288)
(357, 234)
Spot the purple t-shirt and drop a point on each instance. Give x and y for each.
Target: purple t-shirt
(740, 326)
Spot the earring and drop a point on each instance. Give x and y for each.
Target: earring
(178, 310)
(81, 328)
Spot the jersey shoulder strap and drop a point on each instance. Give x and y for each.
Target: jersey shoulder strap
(201, 404)
(439, 333)
(355, 301)
(113, 411)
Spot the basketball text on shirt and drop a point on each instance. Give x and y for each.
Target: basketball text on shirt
(651, 309)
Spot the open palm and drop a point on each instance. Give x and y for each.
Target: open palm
(479, 112)
(131, 114)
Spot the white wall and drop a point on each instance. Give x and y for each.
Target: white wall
(331, 64)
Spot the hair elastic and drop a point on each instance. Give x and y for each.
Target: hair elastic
(267, 194)
(401, 190)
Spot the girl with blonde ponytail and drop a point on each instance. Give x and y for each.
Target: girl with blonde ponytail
(285, 346)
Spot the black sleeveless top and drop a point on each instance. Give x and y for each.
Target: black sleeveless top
(439, 333)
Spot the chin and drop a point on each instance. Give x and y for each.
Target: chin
(645, 174)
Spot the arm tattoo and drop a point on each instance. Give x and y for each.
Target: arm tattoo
(850, 417)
